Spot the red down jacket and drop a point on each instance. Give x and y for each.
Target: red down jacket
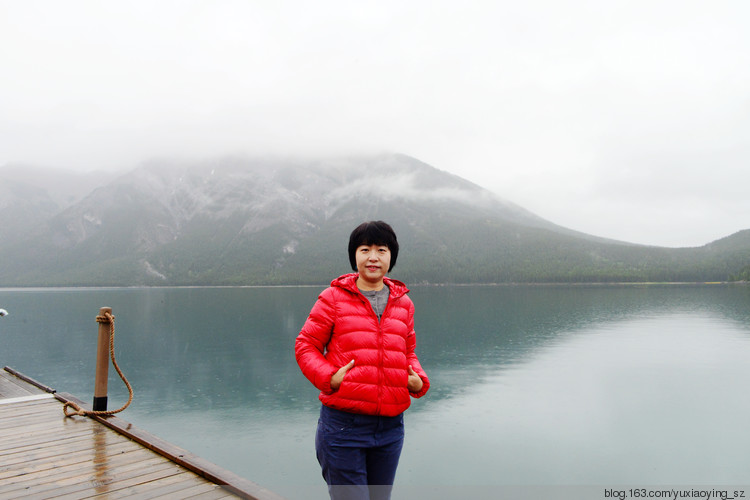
(342, 326)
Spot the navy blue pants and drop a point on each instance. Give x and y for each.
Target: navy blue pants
(358, 454)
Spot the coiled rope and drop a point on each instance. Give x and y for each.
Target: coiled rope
(107, 318)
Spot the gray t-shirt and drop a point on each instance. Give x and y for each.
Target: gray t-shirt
(378, 299)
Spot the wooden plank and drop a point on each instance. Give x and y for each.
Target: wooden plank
(53, 460)
(126, 483)
(97, 481)
(94, 474)
(21, 404)
(211, 492)
(37, 435)
(23, 399)
(204, 492)
(183, 490)
(28, 380)
(32, 408)
(17, 425)
(13, 386)
(102, 478)
(9, 389)
(44, 454)
(50, 448)
(217, 493)
(81, 473)
(29, 444)
(127, 459)
(73, 439)
(30, 411)
(146, 487)
(14, 424)
(194, 463)
(55, 448)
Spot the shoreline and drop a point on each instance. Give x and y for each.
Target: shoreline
(415, 285)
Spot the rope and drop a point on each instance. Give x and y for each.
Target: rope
(107, 318)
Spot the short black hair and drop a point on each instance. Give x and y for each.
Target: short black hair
(373, 233)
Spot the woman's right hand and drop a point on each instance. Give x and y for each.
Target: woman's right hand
(414, 381)
(338, 377)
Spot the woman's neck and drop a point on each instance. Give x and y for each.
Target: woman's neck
(369, 286)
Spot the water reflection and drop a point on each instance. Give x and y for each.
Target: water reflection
(530, 385)
(484, 328)
(642, 401)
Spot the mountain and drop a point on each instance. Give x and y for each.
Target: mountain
(250, 221)
(29, 196)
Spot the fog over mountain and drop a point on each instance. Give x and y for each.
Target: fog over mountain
(253, 220)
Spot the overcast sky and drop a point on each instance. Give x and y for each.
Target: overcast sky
(624, 119)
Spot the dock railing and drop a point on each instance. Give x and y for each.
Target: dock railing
(105, 350)
(102, 359)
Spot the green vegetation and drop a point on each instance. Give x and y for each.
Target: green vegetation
(743, 275)
(438, 249)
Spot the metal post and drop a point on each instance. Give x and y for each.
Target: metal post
(102, 362)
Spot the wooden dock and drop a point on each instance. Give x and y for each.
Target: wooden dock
(44, 454)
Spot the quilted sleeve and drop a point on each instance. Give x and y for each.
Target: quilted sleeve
(411, 356)
(309, 348)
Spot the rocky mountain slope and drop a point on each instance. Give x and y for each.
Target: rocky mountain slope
(243, 221)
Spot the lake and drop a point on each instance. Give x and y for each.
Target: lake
(563, 387)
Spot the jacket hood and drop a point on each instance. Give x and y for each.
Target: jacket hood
(349, 282)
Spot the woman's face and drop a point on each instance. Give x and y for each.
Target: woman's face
(373, 262)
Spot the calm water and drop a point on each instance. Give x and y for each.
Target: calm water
(530, 385)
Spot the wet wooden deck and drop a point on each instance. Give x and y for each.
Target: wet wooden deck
(44, 454)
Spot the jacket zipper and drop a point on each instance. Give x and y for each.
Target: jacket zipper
(381, 352)
(379, 321)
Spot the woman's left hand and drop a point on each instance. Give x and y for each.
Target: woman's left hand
(415, 383)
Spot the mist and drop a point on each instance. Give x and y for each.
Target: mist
(627, 120)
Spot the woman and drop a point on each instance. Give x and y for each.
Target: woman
(357, 347)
